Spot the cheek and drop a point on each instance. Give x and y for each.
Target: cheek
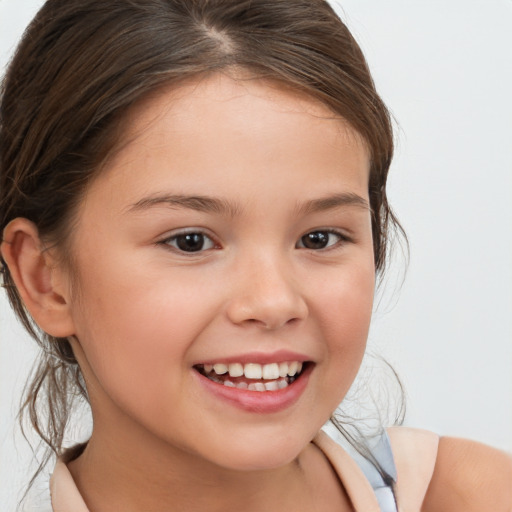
(347, 301)
(133, 332)
(344, 318)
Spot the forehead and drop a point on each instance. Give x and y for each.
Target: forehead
(212, 129)
(234, 97)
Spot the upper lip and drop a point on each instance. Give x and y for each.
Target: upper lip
(280, 356)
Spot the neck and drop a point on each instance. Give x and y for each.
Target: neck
(134, 480)
(124, 470)
(125, 467)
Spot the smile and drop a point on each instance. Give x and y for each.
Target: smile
(253, 376)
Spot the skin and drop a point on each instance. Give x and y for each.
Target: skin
(142, 313)
(469, 477)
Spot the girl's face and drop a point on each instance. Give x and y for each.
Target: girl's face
(232, 229)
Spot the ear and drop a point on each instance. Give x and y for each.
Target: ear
(41, 283)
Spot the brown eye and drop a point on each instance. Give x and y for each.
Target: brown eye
(190, 242)
(317, 240)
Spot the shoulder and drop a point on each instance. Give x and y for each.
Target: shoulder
(469, 477)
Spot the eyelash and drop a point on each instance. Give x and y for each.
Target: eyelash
(168, 242)
(342, 238)
(174, 239)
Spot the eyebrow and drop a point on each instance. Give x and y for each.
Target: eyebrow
(332, 202)
(199, 203)
(209, 204)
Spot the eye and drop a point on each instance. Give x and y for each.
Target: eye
(317, 240)
(190, 242)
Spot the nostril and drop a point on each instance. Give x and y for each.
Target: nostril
(267, 306)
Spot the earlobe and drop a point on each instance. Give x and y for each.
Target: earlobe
(38, 281)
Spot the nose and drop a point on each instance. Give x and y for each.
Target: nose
(266, 295)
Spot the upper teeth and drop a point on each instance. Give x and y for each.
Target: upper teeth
(270, 371)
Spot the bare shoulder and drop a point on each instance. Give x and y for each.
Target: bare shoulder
(469, 477)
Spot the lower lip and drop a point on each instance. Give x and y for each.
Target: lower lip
(262, 402)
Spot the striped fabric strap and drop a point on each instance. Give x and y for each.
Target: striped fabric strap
(380, 448)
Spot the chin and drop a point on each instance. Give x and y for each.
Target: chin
(266, 453)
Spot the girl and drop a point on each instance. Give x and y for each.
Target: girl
(194, 212)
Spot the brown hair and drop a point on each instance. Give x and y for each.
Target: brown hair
(83, 63)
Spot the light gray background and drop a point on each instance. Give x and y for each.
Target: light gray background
(445, 70)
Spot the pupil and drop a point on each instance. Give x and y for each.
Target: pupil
(316, 240)
(190, 242)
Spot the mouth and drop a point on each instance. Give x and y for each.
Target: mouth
(255, 377)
